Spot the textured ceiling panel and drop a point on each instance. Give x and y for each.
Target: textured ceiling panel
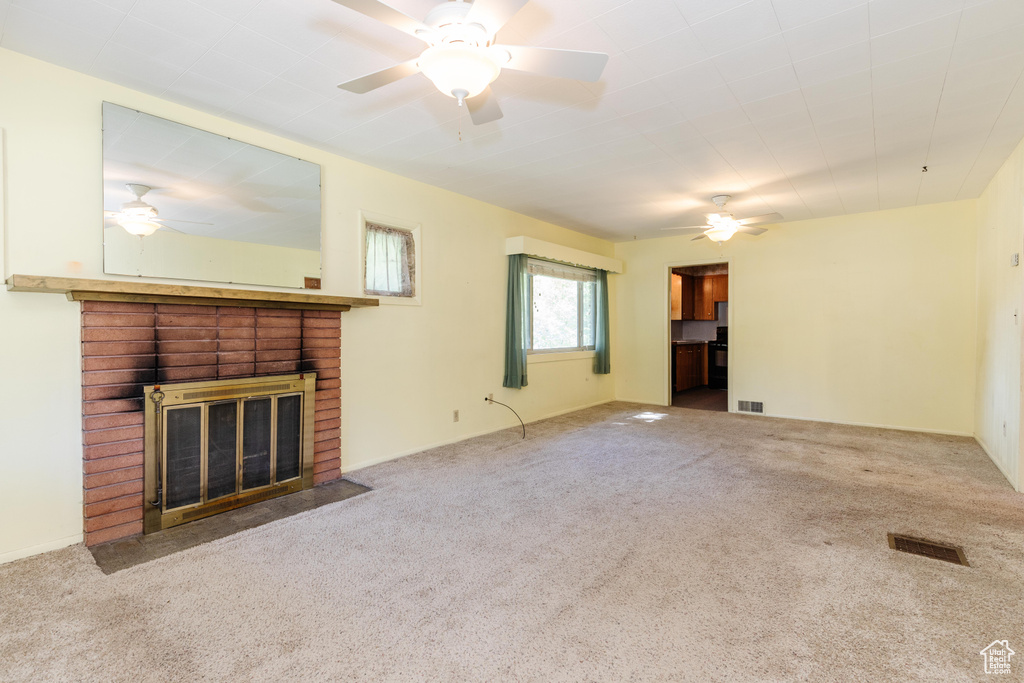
(808, 108)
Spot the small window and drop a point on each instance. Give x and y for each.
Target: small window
(390, 261)
(562, 314)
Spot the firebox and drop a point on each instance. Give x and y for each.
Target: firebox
(216, 446)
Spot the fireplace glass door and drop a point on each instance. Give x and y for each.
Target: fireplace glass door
(239, 445)
(204, 458)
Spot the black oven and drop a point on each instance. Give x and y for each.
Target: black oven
(718, 360)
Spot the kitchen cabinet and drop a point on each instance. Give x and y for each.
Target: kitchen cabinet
(694, 296)
(690, 366)
(682, 297)
(687, 297)
(677, 297)
(703, 298)
(707, 291)
(720, 287)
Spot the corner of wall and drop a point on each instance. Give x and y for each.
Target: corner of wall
(999, 340)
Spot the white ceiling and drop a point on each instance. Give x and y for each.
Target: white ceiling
(808, 108)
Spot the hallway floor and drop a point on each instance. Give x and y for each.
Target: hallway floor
(702, 398)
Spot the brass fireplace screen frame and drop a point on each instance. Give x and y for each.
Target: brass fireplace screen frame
(160, 399)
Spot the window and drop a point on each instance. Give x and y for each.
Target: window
(562, 309)
(390, 261)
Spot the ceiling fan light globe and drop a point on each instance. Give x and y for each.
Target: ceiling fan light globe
(720, 233)
(457, 67)
(138, 226)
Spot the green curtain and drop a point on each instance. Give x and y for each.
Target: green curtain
(516, 322)
(602, 336)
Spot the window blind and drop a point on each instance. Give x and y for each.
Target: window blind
(552, 269)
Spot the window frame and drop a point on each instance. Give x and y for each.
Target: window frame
(580, 351)
(367, 217)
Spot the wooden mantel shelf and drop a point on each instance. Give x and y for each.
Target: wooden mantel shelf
(147, 292)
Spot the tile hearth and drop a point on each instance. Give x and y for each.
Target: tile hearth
(114, 556)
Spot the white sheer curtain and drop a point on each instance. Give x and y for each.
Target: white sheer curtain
(389, 261)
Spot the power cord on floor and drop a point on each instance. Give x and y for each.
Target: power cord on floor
(491, 400)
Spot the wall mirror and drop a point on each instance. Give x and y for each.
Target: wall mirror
(180, 202)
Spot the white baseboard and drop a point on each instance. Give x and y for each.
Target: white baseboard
(419, 449)
(923, 430)
(642, 401)
(41, 548)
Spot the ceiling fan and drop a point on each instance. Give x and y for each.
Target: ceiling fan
(139, 218)
(462, 59)
(721, 226)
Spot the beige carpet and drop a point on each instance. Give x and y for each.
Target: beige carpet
(684, 545)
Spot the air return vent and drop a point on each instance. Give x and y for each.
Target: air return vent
(932, 549)
(751, 407)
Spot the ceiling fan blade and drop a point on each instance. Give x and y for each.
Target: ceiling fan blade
(698, 237)
(178, 220)
(365, 84)
(493, 14)
(484, 107)
(387, 15)
(751, 230)
(574, 64)
(766, 218)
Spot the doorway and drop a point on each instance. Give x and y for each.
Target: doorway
(699, 336)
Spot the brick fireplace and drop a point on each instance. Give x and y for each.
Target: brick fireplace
(127, 345)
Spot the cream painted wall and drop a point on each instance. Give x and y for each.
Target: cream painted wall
(404, 368)
(865, 319)
(998, 398)
(192, 257)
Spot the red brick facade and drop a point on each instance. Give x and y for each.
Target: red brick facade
(126, 346)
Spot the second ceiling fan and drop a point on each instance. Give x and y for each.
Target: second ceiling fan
(722, 226)
(462, 59)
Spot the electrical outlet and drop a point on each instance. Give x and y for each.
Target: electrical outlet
(455, 416)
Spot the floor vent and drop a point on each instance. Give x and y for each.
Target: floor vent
(751, 407)
(936, 551)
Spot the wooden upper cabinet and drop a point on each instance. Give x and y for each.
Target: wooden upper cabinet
(682, 297)
(677, 297)
(694, 296)
(687, 297)
(720, 287)
(703, 297)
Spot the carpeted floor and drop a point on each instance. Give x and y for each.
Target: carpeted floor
(614, 544)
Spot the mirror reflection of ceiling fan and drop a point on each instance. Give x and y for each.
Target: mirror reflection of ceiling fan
(139, 218)
(462, 59)
(721, 226)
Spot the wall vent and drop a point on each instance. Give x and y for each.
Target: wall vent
(751, 407)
